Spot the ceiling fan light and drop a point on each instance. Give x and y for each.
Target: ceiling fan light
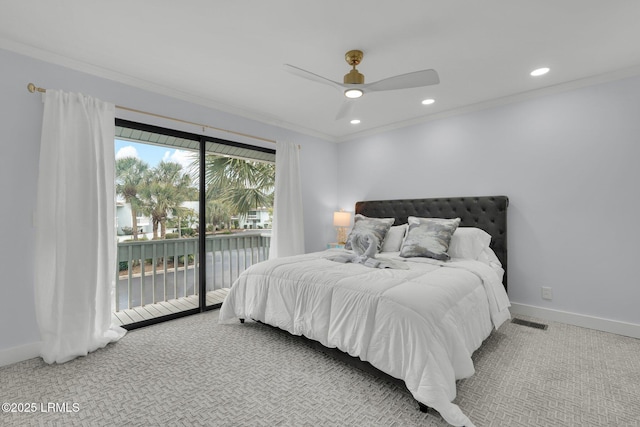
(539, 72)
(353, 93)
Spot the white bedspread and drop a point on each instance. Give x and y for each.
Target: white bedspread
(420, 325)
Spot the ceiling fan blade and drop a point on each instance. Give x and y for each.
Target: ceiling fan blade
(405, 81)
(311, 76)
(345, 109)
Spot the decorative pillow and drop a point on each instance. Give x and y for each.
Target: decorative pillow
(395, 236)
(468, 242)
(429, 237)
(362, 225)
(365, 245)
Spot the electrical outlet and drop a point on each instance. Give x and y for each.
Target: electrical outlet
(547, 293)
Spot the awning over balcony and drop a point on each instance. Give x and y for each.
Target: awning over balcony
(213, 146)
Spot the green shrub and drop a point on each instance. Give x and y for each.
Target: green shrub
(187, 231)
(190, 259)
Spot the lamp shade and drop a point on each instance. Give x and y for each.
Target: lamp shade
(341, 219)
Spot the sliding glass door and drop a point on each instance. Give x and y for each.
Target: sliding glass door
(239, 185)
(157, 219)
(169, 213)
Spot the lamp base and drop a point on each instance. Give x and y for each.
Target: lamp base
(342, 235)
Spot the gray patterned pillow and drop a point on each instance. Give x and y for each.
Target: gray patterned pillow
(363, 225)
(428, 237)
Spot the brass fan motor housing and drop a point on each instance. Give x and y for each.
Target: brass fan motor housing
(353, 77)
(353, 58)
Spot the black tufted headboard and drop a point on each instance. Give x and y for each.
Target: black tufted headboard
(488, 213)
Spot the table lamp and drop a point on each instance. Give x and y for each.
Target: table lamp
(342, 220)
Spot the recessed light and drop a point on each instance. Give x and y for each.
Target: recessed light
(540, 72)
(355, 121)
(428, 101)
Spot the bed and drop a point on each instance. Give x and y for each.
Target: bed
(419, 320)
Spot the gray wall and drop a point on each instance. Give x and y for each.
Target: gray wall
(569, 164)
(21, 121)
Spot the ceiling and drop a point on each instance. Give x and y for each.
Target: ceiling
(229, 55)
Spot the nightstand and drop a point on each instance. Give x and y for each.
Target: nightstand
(335, 245)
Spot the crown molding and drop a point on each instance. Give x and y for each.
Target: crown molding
(63, 61)
(54, 58)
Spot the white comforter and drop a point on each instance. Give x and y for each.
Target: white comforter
(420, 325)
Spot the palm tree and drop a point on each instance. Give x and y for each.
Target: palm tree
(166, 188)
(219, 213)
(183, 214)
(130, 172)
(242, 184)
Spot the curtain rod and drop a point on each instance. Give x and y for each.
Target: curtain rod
(33, 88)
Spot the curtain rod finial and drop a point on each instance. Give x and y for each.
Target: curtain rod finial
(33, 88)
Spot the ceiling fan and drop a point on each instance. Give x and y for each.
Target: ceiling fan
(354, 86)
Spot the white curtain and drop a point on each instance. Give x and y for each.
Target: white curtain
(288, 231)
(75, 227)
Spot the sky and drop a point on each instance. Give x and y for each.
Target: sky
(153, 154)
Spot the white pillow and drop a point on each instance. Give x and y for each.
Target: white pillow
(468, 243)
(490, 258)
(394, 238)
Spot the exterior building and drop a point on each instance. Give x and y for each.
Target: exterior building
(145, 224)
(259, 218)
(123, 220)
(256, 219)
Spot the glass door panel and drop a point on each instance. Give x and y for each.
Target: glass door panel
(157, 201)
(239, 206)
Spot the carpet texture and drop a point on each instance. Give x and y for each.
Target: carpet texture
(195, 372)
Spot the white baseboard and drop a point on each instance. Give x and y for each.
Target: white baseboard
(600, 324)
(13, 355)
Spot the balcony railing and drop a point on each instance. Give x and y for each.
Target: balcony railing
(161, 270)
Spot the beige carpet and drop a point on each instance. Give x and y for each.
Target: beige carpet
(193, 371)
